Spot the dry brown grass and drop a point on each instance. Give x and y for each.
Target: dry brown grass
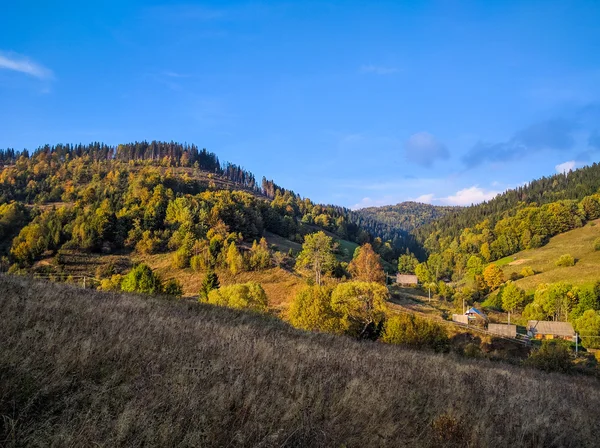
(99, 369)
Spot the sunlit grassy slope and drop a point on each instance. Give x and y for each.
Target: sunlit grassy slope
(87, 368)
(579, 243)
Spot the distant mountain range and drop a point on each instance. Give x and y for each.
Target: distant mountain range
(407, 216)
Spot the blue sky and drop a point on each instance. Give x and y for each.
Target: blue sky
(352, 103)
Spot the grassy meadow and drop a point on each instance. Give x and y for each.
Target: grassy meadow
(108, 369)
(579, 243)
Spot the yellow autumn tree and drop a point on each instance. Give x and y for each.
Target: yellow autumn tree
(493, 276)
(366, 266)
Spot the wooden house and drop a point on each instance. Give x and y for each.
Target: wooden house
(542, 329)
(407, 279)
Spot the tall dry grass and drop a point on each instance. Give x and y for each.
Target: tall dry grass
(84, 368)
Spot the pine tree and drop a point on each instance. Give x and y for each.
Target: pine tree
(210, 282)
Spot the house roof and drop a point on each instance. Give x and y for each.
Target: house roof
(477, 312)
(550, 327)
(406, 278)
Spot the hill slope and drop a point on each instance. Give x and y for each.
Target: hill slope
(579, 243)
(117, 370)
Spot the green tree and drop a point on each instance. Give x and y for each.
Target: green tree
(361, 307)
(424, 274)
(260, 255)
(210, 282)
(234, 259)
(141, 279)
(589, 325)
(407, 264)
(317, 255)
(475, 265)
(512, 297)
(366, 265)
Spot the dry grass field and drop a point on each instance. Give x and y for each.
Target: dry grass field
(105, 369)
(579, 243)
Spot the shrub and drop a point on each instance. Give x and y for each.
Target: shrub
(173, 288)
(180, 259)
(311, 310)
(449, 431)
(597, 244)
(141, 279)
(105, 271)
(565, 260)
(552, 356)
(527, 271)
(494, 302)
(111, 284)
(408, 329)
(241, 296)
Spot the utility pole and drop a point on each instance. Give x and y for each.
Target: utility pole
(429, 285)
(84, 282)
(463, 306)
(576, 344)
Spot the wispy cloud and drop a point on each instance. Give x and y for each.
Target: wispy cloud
(423, 149)
(556, 134)
(378, 69)
(22, 64)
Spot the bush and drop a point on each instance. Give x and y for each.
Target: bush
(527, 271)
(180, 259)
(105, 271)
(241, 296)
(311, 310)
(597, 244)
(494, 302)
(565, 260)
(111, 284)
(408, 329)
(173, 288)
(552, 356)
(141, 279)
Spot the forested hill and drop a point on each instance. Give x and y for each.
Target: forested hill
(519, 219)
(574, 185)
(153, 197)
(407, 216)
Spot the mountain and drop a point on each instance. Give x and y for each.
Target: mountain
(89, 368)
(407, 216)
(149, 198)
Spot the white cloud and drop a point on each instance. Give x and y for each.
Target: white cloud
(468, 196)
(378, 69)
(19, 63)
(426, 198)
(423, 149)
(368, 202)
(565, 167)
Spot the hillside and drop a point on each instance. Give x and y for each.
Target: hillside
(407, 216)
(120, 370)
(572, 186)
(579, 243)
